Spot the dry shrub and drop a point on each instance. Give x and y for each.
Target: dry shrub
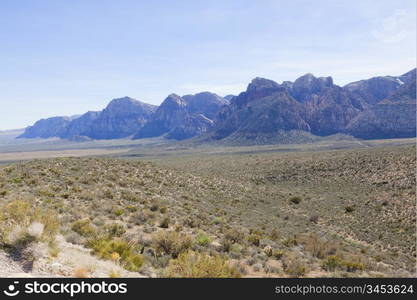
(318, 247)
(198, 265)
(81, 272)
(84, 228)
(21, 224)
(234, 235)
(172, 243)
(294, 266)
(128, 254)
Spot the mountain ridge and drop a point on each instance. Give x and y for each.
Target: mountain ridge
(265, 111)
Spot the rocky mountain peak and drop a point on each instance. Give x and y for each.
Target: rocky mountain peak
(305, 87)
(173, 101)
(259, 83)
(408, 77)
(205, 103)
(126, 104)
(228, 97)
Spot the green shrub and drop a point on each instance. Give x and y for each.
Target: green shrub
(332, 263)
(114, 230)
(119, 211)
(163, 210)
(203, 239)
(218, 221)
(254, 239)
(349, 209)
(277, 254)
(290, 242)
(295, 200)
(165, 222)
(199, 265)
(234, 235)
(84, 228)
(105, 248)
(131, 208)
(352, 266)
(154, 207)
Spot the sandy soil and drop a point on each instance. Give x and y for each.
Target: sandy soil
(16, 156)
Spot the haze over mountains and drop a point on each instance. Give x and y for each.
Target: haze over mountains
(380, 107)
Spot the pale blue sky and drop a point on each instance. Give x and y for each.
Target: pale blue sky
(68, 57)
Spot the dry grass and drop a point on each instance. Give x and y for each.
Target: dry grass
(273, 214)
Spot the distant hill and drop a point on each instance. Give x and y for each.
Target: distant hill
(120, 119)
(46, 128)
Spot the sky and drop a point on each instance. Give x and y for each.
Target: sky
(60, 57)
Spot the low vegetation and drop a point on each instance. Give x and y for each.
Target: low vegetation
(329, 213)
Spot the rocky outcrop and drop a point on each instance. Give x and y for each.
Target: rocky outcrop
(267, 109)
(263, 110)
(122, 118)
(380, 107)
(174, 120)
(205, 103)
(393, 117)
(376, 89)
(81, 126)
(308, 88)
(46, 128)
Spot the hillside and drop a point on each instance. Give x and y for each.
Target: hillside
(328, 213)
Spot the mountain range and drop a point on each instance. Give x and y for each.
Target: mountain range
(375, 108)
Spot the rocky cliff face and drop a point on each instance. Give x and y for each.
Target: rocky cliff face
(393, 117)
(308, 88)
(46, 128)
(121, 118)
(81, 126)
(329, 111)
(374, 89)
(318, 106)
(205, 103)
(380, 107)
(173, 119)
(264, 109)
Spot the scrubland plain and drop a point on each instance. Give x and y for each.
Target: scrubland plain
(340, 209)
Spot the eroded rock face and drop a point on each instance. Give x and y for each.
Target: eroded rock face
(121, 118)
(393, 117)
(374, 89)
(330, 111)
(174, 120)
(205, 103)
(81, 126)
(380, 107)
(264, 109)
(46, 128)
(318, 106)
(308, 87)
